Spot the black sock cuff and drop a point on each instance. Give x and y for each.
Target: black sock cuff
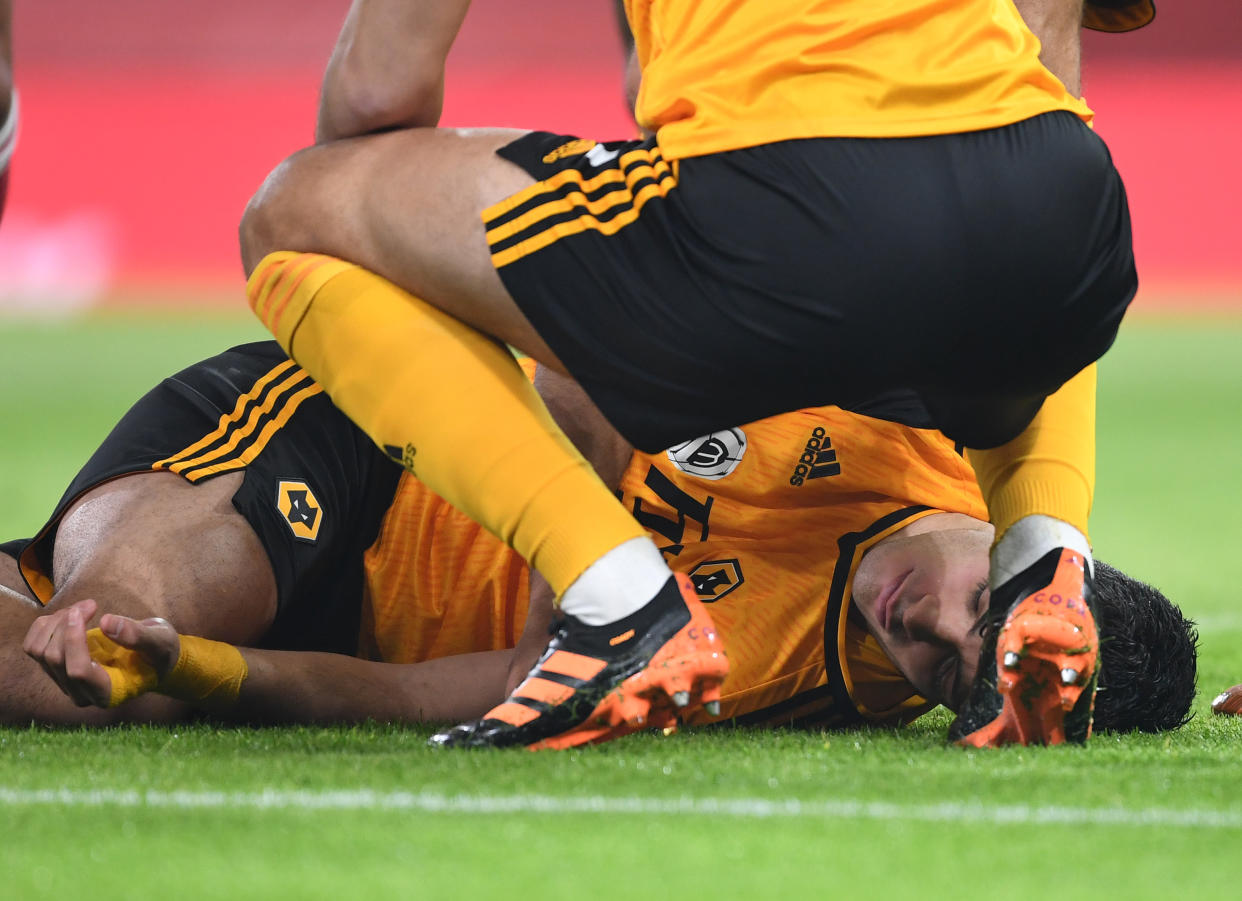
(639, 622)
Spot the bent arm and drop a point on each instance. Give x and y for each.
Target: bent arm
(387, 69)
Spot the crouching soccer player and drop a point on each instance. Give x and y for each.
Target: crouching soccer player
(723, 252)
(236, 502)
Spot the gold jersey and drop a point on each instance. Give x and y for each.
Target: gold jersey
(724, 74)
(769, 521)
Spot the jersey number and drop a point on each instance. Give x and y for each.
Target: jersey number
(687, 508)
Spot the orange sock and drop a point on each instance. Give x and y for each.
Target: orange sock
(448, 402)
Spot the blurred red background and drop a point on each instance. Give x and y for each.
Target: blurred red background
(147, 124)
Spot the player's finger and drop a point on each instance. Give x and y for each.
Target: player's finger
(1228, 701)
(53, 653)
(154, 638)
(51, 656)
(89, 683)
(39, 633)
(59, 652)
(86, 607)
(44, 627)
(121, 629)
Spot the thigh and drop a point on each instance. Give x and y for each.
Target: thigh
(147, 544)
(154, 544)
(405, 205)
(233, 499)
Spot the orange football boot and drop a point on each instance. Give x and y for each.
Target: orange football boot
(1037, 672)
(597, 683)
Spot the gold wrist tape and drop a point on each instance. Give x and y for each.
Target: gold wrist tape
(207, 671)
(131, 675)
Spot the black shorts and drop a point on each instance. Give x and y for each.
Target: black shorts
(966, 275)
(315, 488)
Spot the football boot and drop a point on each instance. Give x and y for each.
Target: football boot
(1040, 660)
(597, 683)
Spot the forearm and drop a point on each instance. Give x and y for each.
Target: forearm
(1058, 25)
(583, 424)
(305, 687)
(534, 638)
(609, 454)
(387, 69)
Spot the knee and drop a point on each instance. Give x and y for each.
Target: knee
(273, 219)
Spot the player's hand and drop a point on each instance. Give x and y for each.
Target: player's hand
(102, 667)
(57, 642)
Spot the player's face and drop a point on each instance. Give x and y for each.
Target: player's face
(922, 592)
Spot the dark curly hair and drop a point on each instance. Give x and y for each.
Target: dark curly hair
(1149, 653)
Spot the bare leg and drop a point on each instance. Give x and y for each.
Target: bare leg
(162, 546)
(145, 545)
(404, 205)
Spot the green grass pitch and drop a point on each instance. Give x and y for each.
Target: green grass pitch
(204, 812)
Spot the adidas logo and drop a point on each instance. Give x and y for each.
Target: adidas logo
(818, 459)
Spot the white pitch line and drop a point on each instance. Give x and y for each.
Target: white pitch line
(753, 808)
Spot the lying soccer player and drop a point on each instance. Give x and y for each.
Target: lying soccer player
(843, 558)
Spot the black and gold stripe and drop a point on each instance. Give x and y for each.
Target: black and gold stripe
(569, 203)
(242, 433)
